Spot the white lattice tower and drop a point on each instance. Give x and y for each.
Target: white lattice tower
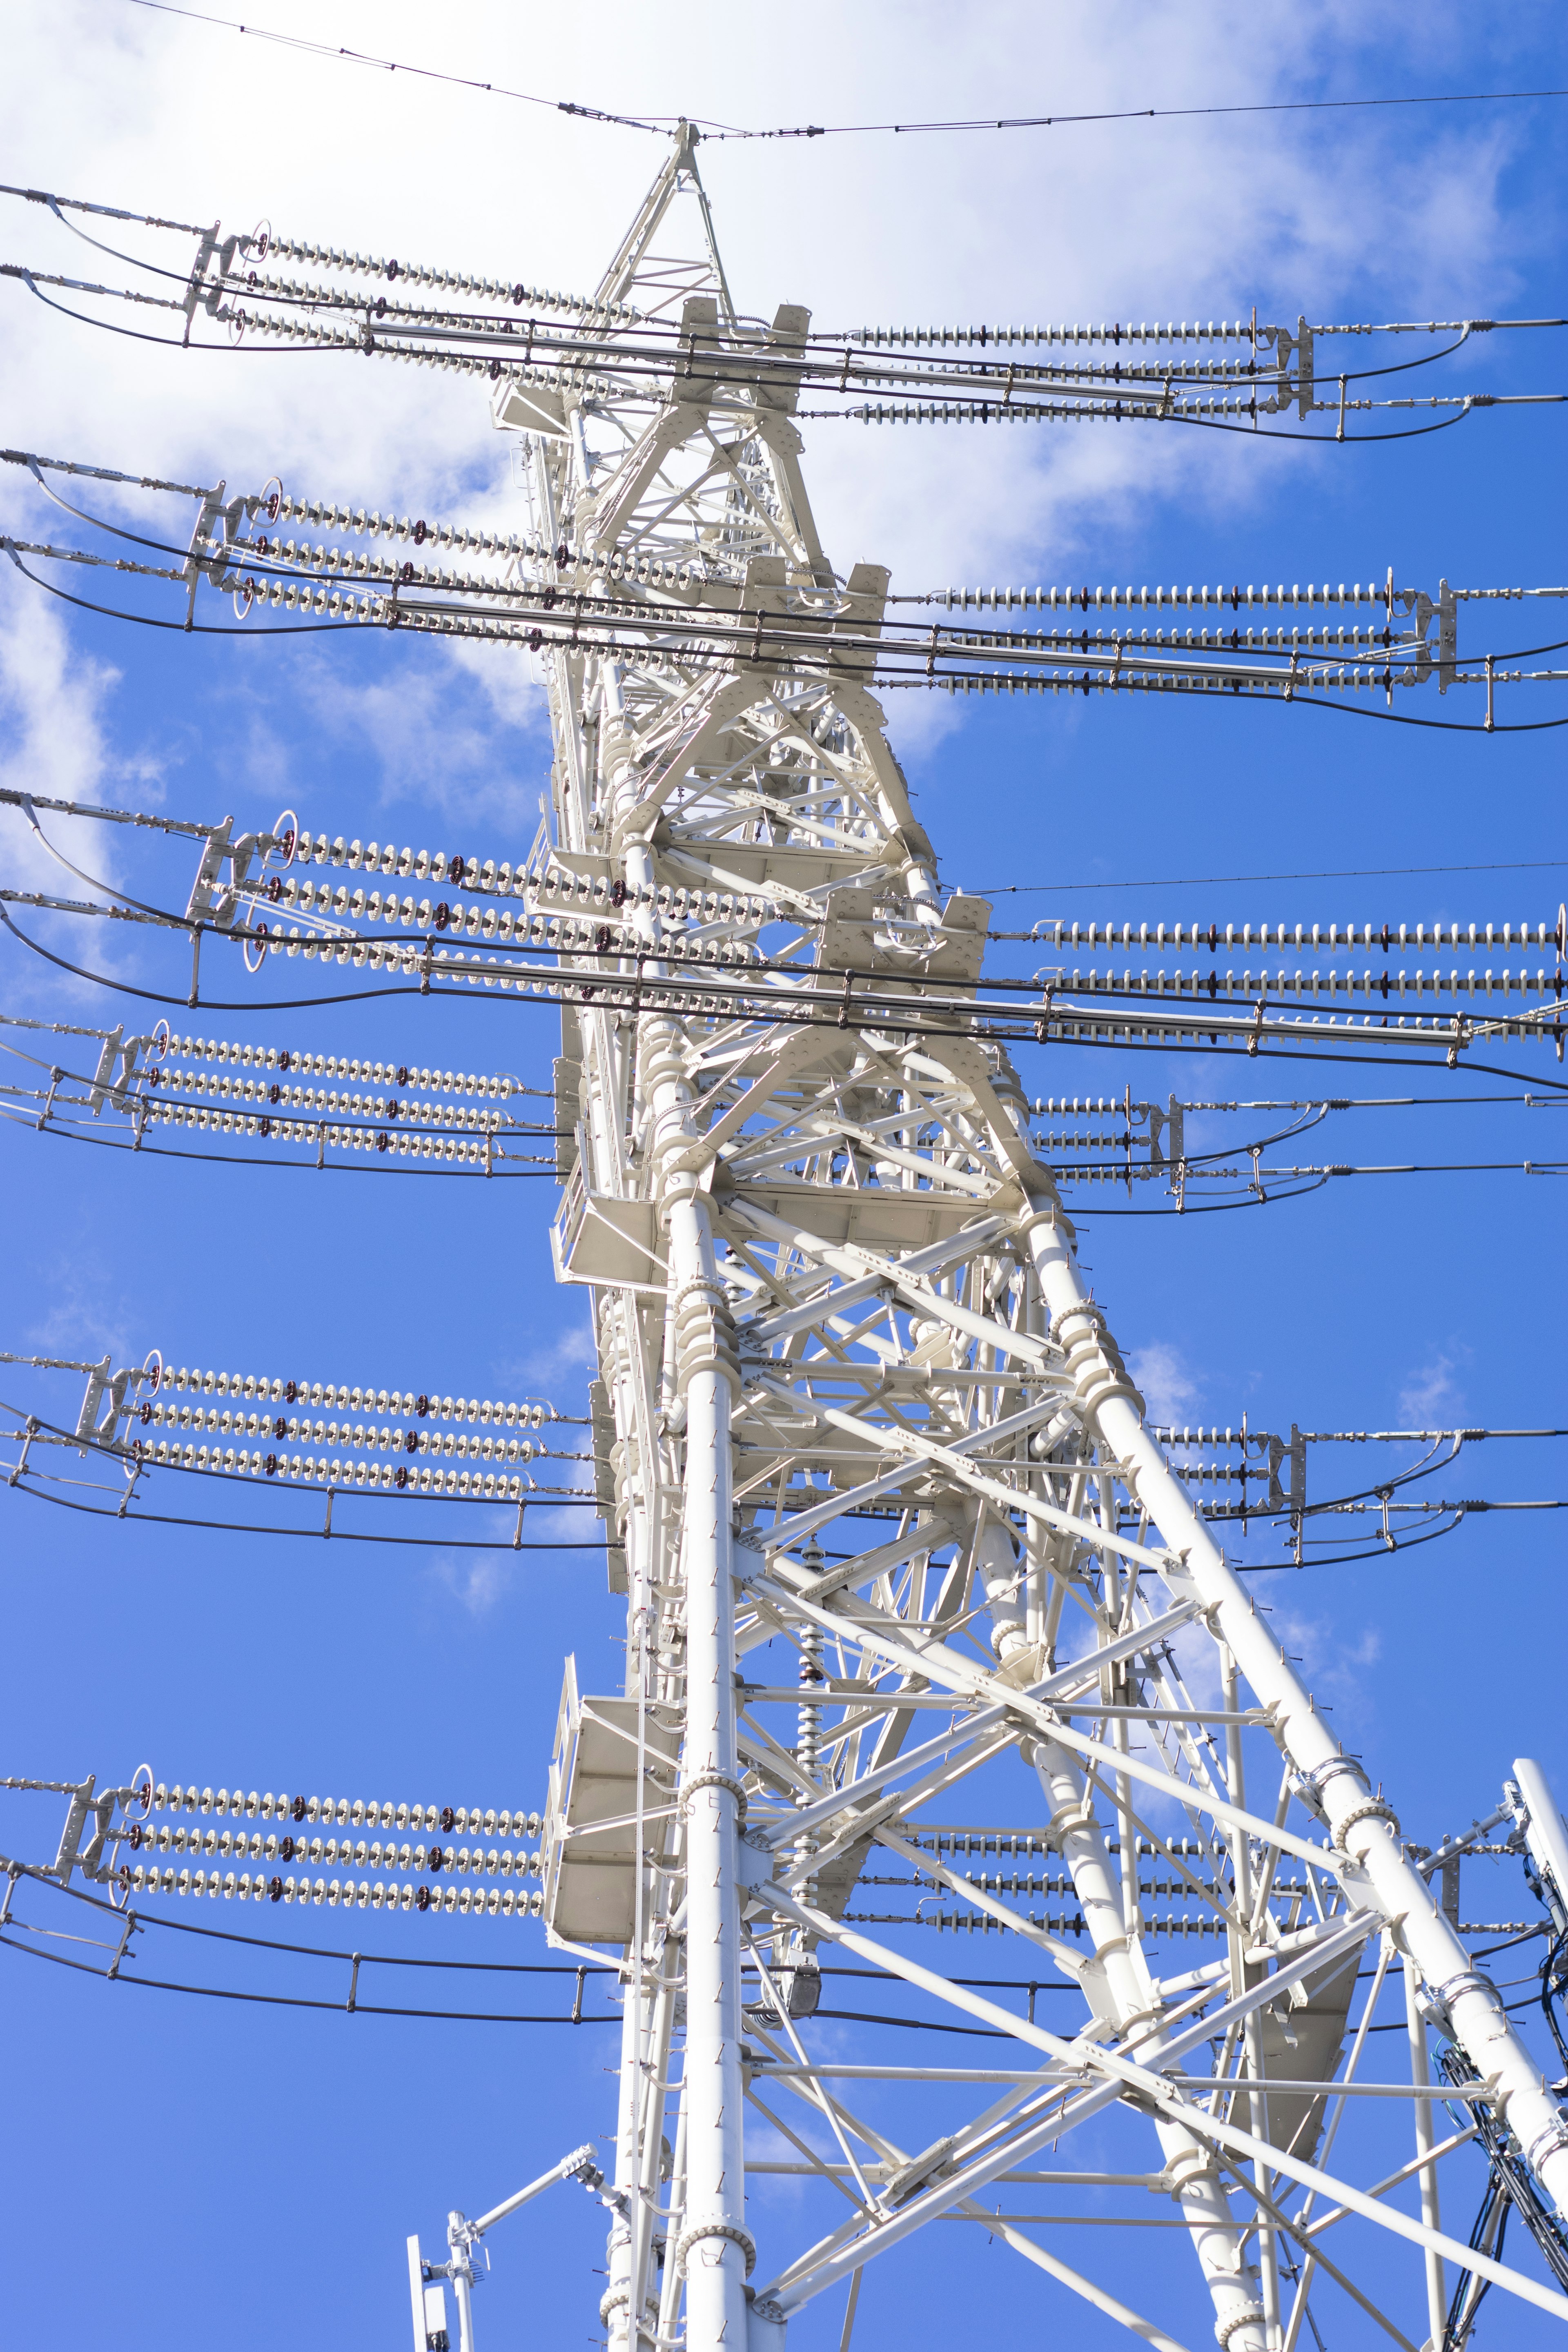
(829, 1277)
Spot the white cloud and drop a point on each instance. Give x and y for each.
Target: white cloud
(478, 1585)
(1431, 1393)
(1087, 221)
(1165, 1379)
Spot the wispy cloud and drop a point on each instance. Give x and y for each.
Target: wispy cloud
(476, 1585)
(1169, 1386)
(1432, 1394)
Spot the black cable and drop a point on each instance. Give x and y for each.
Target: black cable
(842, 129)
(299, 2001)
(319, 1535)
(816, 1006)
(318, 1952)
(371, 1164)
(997, 679)
(1284, 1052)
(181, 629)
(167, 342)
(1019, 410)
(133, 260)
(422, 73)
(1324, 874)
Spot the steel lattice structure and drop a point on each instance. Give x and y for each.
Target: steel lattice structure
(837, 1302)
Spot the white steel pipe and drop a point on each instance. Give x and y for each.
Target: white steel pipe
(1233, 2285)
(1359, 1821)
(714, 2243)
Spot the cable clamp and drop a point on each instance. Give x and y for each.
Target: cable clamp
(731, 2229)
(1454, 1988)
(1547, 2142)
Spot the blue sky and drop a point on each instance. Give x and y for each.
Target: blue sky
(178, 2167)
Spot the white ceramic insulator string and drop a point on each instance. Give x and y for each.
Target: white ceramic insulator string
(450, 281)
(1316, 936)
(345, 1812)
(264, 1388)
(262, 1886)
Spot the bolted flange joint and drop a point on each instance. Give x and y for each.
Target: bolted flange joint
(1374, 1810)
(696, 2231)
(1246, 2315)
(713, 1779)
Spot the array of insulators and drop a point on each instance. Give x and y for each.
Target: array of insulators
(1156, 598)
(1060, 933)
(616, 563)
(356, 1813)
(264, 287)
(1200, 1436)
(1017, 1882)
(493, 1902)
(364, 1437)
(339, 1475)
(1379, 594)
(361, 1853)
(290, 327)
(1331, 982)
(1226, 331)
(502, 880)
(1089, 1106)
(1068, 1923)
(960, 1840)
(261, 1388)
(537, 928)
(422, 1078)
(372, 523)
(363, 1476)
(1098, 409)
(446, 281)
(324, 1102)
(484, 1152)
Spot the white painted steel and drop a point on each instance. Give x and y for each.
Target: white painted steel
(849, 1290)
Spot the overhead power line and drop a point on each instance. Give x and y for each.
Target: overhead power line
(727, 130)
(1320, 873)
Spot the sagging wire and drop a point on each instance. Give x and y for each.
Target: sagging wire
(1078, 401)
(578, 992)
(717, 131)
(166, 342)
(950, 682)
(614, 614)
(317, 1535)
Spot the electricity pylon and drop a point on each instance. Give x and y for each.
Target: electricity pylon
(835, 1291)
(837, 1303)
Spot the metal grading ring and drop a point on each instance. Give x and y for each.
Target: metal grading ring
(272, 498)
